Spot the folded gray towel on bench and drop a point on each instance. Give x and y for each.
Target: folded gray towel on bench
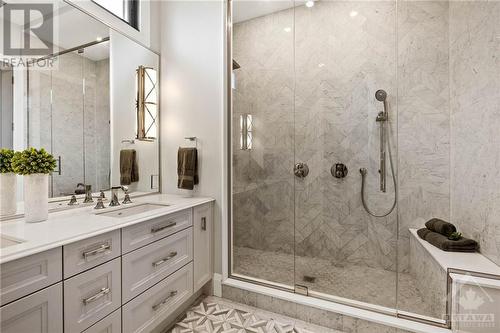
(445, 244)
(440, 226)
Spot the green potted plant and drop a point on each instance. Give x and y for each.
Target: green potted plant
(35, 166)
(8, 183)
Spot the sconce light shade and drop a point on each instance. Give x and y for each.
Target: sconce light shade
(246, 132)
(147, 103)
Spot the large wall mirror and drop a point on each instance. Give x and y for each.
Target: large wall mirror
(80, 105)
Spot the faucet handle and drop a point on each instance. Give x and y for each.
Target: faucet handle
(100, 204)
(126, 200)
(73, 201)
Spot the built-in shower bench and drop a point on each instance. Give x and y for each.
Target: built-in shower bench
(438, 272)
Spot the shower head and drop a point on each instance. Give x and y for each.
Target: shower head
(380, 95)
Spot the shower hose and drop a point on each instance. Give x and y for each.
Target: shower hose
(363, 176)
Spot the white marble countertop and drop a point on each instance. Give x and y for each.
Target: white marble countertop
(460, 260)
(72, 225)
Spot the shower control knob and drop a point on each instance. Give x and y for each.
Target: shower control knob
(301, 170)
(339, 170)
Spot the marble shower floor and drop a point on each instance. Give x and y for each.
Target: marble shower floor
(361, 283)
(218, 315)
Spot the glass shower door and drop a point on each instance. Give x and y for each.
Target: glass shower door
(263, 144)
(344, 53)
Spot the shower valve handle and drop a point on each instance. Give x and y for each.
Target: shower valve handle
(301, 170)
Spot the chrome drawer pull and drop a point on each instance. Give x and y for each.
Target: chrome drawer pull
(101, 249)
(165, 300)
(167, 258)
(103, 292)
(160, 228)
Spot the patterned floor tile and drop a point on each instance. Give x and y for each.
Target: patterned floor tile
(215, 315)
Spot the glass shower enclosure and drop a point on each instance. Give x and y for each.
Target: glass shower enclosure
(347, 106)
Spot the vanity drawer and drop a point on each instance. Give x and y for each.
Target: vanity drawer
(40, 312)
(91, 296)
(110, 324)
(150, 264)
(144, 233)
(90, 252)
(148, 310)
(21, 277)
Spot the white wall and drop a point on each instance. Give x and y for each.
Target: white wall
(192, 99)
(125, 57)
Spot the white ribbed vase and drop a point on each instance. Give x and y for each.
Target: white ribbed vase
(36, 197)
(8, 188)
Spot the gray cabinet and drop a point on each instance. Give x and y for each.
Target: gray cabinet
(147, 232)
(91, 296)
(40, 312)
(148, 265)
(129, 280)
(146, 311)
(85, 254)
(23, 276)
(202, 234)
(110, 324)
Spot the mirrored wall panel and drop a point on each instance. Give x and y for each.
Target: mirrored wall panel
(81, 102)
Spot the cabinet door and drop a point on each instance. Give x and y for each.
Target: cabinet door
(91, 296)
(40, 312)
(202, 234)
(141, 234)
(147, 311)
(110, 324)
(152, 263)
(23, 276)
(85, 254)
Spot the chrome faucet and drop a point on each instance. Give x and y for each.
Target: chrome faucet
(114, 194)
(88, 194)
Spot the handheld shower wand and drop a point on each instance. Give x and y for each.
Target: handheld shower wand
(382, 118)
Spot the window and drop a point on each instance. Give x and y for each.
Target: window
(126, 10)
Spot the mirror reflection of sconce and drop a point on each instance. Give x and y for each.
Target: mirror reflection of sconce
(147, 103)
(246, 132)
(233, 76)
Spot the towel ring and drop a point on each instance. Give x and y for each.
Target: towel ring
(192, 138)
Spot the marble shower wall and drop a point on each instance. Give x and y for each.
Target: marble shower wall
(424, 117)
(73, 125)
(475, 111)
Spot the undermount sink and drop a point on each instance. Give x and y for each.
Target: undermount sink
(6, 241)
(134, 210)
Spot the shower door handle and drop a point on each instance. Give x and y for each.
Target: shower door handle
(301, 170)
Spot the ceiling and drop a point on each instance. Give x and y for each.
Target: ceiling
(244, 10)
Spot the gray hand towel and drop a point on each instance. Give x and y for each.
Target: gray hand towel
(440, 226)
(187, 168)
(445, 244)
(129, 169)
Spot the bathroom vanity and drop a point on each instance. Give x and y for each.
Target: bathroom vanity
(123, 269)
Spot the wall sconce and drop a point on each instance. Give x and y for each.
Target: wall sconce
(147, 103)
(246, 134)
